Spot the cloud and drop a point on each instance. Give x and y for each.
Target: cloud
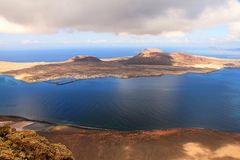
(65, 42)
(158, 17)
(9, 27)
(1, 42)
(234, 30)
(29, 42)
(173, 34)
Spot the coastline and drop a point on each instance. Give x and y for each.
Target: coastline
(148, 63)
(176, 143)
(72, 79)
(157, 71)
(77, 78)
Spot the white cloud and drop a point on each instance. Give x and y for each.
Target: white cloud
(234, 30)
(2, 42)
(229, 15)
(86, 41)
(172, 18)
(9, 27)
(174, 34)
(29, 42)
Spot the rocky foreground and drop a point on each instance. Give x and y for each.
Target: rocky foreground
(172, 144)
(28, 145)
(150, 62)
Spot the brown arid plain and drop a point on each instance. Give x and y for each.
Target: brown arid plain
(171, 144)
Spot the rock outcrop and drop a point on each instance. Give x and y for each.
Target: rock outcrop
(85, 59)
(151, 57)
(157, 57)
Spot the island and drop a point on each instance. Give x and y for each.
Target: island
(149, 62)
(74, 142)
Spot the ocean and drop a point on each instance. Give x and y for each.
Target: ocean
(190, 100)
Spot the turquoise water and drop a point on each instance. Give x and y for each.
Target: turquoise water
(191, 100)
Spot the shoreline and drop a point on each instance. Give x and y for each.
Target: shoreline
(16, 77)
(19, 119)
(114, 77)
(169, 144)
(148, 63)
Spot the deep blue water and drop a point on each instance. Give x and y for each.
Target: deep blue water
(51, 55)
(191, 100)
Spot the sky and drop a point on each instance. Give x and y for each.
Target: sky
(74, 23)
